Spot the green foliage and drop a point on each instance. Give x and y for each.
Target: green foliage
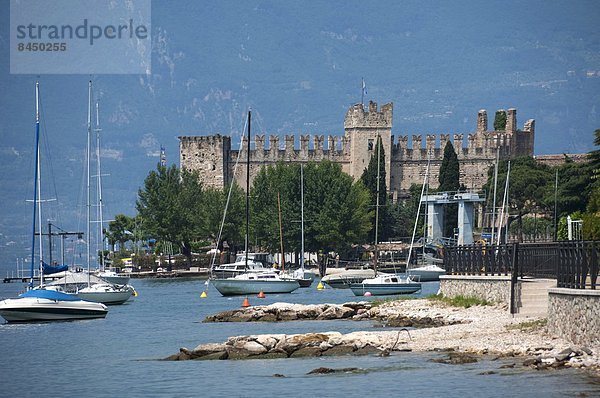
(500, 120)
(530, 188)
(449, 181)
(403, 214)
(119, 230)
(336, 210)
(234, 228)
(170, 206)
(574, 186)
(458, 301)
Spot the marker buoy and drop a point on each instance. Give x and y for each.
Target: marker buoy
(367, 294)
(203, 295)
(246, 303)
(261, 294)
(320, 286)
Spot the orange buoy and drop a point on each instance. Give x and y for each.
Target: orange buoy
(246, 303)
(261, 294)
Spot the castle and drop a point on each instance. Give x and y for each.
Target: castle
(213, 157)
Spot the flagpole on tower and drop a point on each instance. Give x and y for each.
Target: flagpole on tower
(362, 92)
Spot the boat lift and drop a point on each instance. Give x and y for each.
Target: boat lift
(435, 214)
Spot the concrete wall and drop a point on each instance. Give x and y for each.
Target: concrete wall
(574, 315)
(494, 289)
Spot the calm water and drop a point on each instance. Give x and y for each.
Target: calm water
(116, 356)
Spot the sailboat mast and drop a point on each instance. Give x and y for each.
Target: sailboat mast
(504, 200)
(425, 181)
(302, 216)
(248, 192)
(281, 232)
(494, 202)
(88, 204)
(99, 170)
(377, 205)
(35, 177)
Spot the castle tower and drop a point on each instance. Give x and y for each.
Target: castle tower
(362, 129)
(207, 155)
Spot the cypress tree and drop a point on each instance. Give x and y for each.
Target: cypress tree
(369, 179)
(449, 181)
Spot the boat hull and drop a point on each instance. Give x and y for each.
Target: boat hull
(344, 279)
(110, 297)
(427, 274)
(384, 289)
(29, 309)
(235, 287)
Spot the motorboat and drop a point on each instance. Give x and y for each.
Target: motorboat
(240, 266)
(343, 279)
(386, 284)
(48, 305)
(113, 277)
(254, 283)
(427, 273)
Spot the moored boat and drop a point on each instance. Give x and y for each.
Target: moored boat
(254, 283)
(386, 284)
(49, 305)
(343, 279)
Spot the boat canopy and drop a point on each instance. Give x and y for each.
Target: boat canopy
(50, 295)
(48, 269)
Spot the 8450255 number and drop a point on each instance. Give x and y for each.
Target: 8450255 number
(28, 46)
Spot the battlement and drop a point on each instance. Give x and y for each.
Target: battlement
(405, 161)
(356, 117)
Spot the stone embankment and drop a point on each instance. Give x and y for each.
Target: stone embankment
(461, 332)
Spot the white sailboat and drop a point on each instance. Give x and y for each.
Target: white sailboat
(383, 284)
(40, 304)
(425, 272)
(105, 292)
(304, 277)
(253, 282)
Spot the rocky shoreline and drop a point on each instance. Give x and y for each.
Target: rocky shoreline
(461, 332)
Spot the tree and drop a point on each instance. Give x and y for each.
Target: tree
(336, 209)
(591, 218)
(119, 231)
(369, 179)
(449, 180)
(214, 202)
(170, 206)
(530, 187)
(500, 120)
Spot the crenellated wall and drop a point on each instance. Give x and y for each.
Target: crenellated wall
(405, 163)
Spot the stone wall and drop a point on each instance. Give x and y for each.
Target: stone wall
(574, 314)
(495, 289)
(214, 158)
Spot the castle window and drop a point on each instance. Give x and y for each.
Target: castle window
(370, 145)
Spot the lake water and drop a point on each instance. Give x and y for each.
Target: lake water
(116, 356)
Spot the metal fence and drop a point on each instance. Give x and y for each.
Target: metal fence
(574, 264)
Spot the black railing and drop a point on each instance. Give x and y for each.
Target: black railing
(574, 264)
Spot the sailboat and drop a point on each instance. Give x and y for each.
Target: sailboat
(383, 284)
(425, 272)
(96, 290)
(266, 281)
(40, 304)
(305, 278)
(107, 274)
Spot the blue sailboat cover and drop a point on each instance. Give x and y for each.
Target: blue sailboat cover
(50, 295)
(48, 269)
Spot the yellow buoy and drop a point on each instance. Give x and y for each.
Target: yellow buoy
(320, 286)
(203, 295)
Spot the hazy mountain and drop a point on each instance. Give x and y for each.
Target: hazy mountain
(299, 66)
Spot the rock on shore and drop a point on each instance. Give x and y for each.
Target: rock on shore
(476, 330)
(354, 310)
